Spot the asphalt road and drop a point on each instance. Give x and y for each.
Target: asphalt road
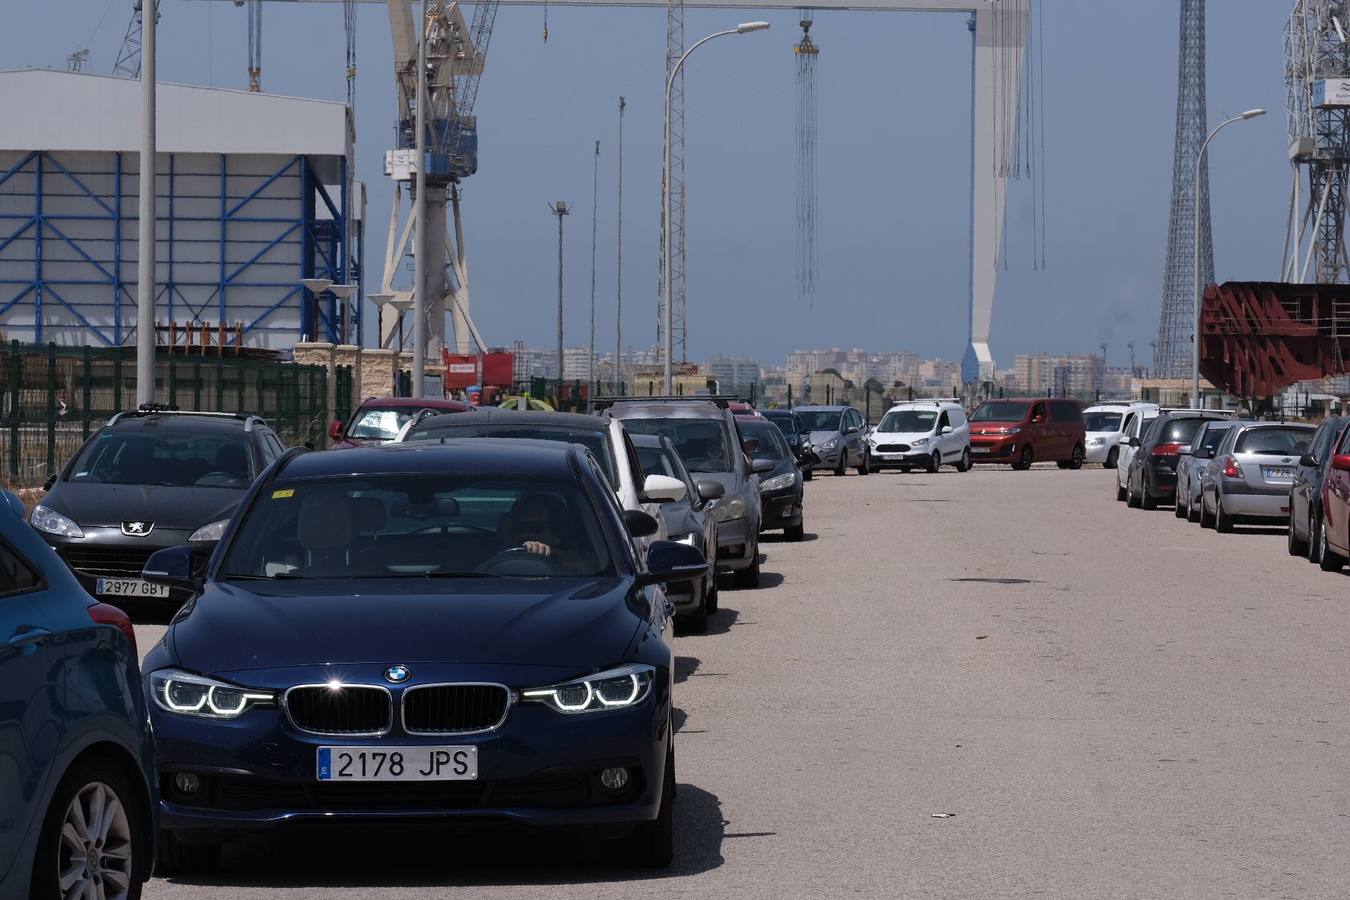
(1103, 702)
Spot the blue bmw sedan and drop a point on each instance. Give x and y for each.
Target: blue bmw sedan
(459, 633)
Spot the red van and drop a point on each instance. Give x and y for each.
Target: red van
(1024, 431)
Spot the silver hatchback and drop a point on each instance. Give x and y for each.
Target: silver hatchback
(1253, 470)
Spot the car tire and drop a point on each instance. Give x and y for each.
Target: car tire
(1206, 518)
(1192, 511)
(1314, 536)
(1329, 560)
(695, 621)
(176, 857)
(905, 470)
(1131, 498)
(964, 464)
(1180, 510)
(1025, 459)
(749, 578)
(934, 463)
(796, 532)
(866, 467)
(1146, 499)
(1120, 492)
(127, 829)
(1223, 522)
(713, 599)
(1076, 457)
(1112, 458)
(1297, 546)
(843, 463)
(652, 844)
(808, 474)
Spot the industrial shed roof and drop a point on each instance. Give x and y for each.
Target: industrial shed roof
(45, 109)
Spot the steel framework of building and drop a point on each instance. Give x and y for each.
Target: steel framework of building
(1172, 355)
(1317, 55)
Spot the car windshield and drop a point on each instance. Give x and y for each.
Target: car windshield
(819, 419)
(907, 421)
(1000, 411)
(418, 526)
(1101, 421)
(166, 457)
(701, 443)
(595, 440)
(1273, 441)
(786, 421)
(768, 441)
(380, 423)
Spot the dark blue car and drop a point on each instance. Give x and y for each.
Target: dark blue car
(458, 632)
(77, 769)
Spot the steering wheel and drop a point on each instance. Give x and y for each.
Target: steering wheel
(438, 529)
(521, 562)
(213, 478)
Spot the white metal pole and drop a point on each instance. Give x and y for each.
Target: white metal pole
(145, 267)
(618, 305)
(665, 194)
(1195, 319)
(420, 305)
(595, 234)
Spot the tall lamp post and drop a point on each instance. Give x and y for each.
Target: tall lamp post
(145, 266)
(1199, 162)
(743, 28)
(560, 209)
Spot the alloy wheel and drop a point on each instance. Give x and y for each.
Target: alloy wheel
(95, 858)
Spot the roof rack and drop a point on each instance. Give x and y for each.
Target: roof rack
(723, 401)
(164, 409)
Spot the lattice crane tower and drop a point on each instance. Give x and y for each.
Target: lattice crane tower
(1173, 349)
(1317, 80)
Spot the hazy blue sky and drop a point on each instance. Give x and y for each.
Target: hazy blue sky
(893, 152)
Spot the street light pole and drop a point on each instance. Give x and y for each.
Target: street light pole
(1195, 320)
(560, 209)
(145, 266)
(420, 261)
(669, 349)
(618, 288)
(595, 233)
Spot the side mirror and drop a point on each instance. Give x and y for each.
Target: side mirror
(1308, 460)
(848, 429)
(709, 489)
(1184, 451)
(1341, 462)
(761, 466)
(638, 523)
(335, 430)
(1131, 442)
(176, 567)
(1038, 420)
(50, 482)
(946, 429)
(671, 561)
(663, 489)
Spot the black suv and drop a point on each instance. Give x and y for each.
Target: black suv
(147, 480)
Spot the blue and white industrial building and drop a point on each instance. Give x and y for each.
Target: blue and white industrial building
(252, 198)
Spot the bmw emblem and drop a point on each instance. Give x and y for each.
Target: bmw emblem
(397, 674)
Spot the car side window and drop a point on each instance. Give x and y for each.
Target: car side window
(958, 418)
(944, 421)
(613, 501)
(17, 575)
(1038, 412)
(633, 465)
(1344, 445)
(275, 443)
(1318, 450)
(1129, 424)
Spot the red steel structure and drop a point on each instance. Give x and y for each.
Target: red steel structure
(1257, 337)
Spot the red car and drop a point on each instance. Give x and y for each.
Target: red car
(741, 408)
(1024, 431)
(1331, 542)
(379, 419)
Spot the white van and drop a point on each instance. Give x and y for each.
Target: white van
(922, 434)
(1107, 423)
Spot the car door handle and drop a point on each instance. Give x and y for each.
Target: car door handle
(29, 637)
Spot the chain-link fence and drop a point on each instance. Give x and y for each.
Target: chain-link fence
(52, 398)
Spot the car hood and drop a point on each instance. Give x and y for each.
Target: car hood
(977, 427)
(901, 437)
(109, 505)
(568, 622)
(1105, 435)
(820, 437)
(349, 443)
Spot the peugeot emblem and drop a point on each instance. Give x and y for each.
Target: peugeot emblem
(137, 529)
(397, 674)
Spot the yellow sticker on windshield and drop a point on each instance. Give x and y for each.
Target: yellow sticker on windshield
(283, 494)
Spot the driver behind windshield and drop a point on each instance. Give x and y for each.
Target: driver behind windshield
(537, 524)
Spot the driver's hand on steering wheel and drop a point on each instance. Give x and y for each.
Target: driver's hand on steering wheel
(539, 548)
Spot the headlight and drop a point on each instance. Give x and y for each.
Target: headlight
(210, 532)
(919, 443)
(615, 689)
(778, 482)
(187, 694)
(1096, 442)
(732, 509)
(1012, 431)
(830, 444)
(691, 538)
(52, 522)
